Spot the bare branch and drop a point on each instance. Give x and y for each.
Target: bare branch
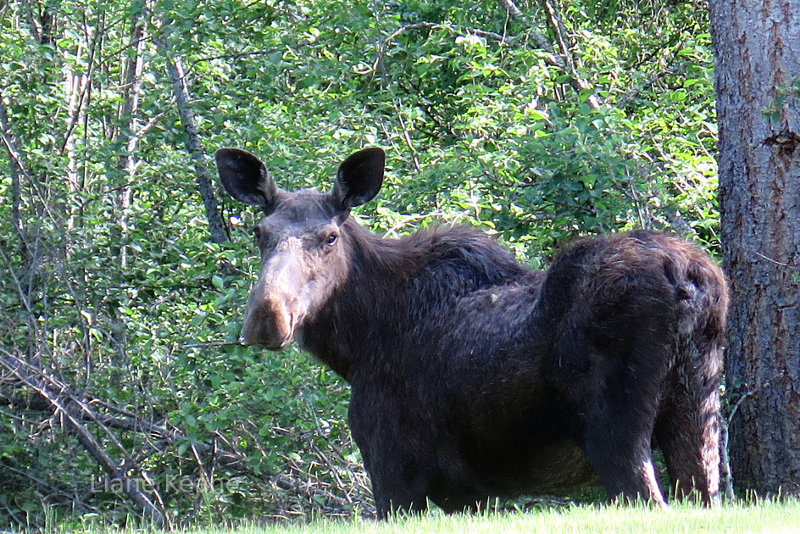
(557, 26)
(194, 145)
(61, 403)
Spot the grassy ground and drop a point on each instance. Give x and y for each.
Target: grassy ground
(770, 518)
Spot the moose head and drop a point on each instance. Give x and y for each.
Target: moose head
(302, 238)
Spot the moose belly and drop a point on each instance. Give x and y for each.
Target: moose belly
(521, 444)
(510, 468)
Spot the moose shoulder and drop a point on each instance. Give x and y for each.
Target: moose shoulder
(473, 376)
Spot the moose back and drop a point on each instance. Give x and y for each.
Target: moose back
(473, 376)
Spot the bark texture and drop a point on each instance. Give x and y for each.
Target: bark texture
(757, 46)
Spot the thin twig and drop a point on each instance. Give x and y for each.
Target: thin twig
(212, 344)
(557, 25)
(407, 138)
(725, 462)
(772, 260)
(625, 99)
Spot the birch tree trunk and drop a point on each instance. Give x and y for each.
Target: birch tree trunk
(756, 48)
(128, 110)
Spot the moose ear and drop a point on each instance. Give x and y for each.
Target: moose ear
(359, 178)
(245, 178)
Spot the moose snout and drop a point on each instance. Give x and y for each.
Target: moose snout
(273, 310)
(269, 324)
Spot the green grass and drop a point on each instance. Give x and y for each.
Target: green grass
(768, 517)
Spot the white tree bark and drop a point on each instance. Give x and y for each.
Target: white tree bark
(128, 110)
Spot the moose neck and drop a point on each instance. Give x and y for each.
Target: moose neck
(394, 291)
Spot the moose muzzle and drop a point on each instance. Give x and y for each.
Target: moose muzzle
(273, 307)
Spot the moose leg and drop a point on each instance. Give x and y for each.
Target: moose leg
(394, 459)
(687, 428)
(396, 500)
(398, 488)
(618, 445)
(614, 390)
(620, 385)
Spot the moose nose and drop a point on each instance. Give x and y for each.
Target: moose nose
(269, 323)
(266, 335)
(273, 308)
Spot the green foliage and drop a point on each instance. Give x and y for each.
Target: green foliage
(482, 126)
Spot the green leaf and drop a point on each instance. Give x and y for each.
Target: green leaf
(217, 282)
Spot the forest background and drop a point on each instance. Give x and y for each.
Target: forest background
(123, 392)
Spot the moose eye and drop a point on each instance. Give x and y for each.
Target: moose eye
(331, 239)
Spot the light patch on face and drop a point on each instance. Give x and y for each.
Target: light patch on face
(272, 309)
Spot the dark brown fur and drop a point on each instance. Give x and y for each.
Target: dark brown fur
(473, 376)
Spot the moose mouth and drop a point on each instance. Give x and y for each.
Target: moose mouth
(280, 346)
(270, 344)
(272, 329)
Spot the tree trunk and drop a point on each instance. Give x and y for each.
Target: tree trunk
(756, 48)
(129, 108)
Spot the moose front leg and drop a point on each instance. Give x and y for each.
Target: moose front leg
(395, 493)
(398, 463)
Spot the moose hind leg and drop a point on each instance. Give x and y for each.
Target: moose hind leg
(618, 446)
(687, 428)
(616, 385)
(617, 401)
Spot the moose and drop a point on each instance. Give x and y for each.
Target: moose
(473, 376)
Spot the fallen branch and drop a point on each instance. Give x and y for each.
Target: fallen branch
(163, 435)
(37, 380)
